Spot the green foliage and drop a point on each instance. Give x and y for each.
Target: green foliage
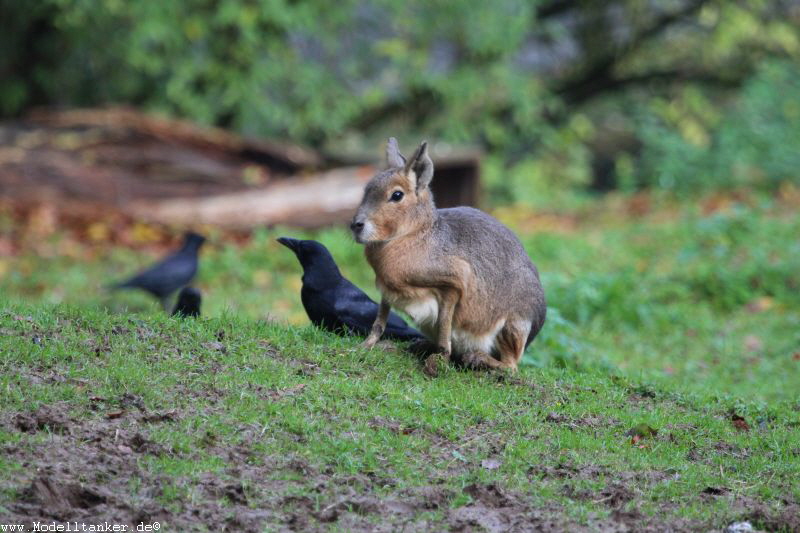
(753, 144)
(303, 70)
(724, 260)
(532, 82)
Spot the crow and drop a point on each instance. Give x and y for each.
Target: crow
(332, 302)
(170, 274)
(188, 303)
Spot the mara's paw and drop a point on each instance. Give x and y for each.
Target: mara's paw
(474, 360)
(484, 361)
(434, 363)
(369, 342)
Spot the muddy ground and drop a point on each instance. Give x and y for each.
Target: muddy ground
(91, 471)
(97, 462)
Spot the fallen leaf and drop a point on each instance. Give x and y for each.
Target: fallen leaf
(796, 356)
(144, 233)
(491, 464)
(641, 431)
(114, 414)
(740, 423)
(98, 232)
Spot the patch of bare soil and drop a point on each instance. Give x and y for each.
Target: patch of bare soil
(53, 418)
(93, 468)
(302, 367)
(90, 471)
(620, 495)
(494, 509)
(589, 421)
(566, 470)
(783, 515)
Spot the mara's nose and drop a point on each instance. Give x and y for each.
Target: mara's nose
(356, 226)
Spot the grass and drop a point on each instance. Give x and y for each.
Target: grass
(677, 320)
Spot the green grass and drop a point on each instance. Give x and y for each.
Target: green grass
(672, 321)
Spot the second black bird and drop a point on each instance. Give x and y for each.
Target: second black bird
(188, 304)
(171, 273)
(332, 302)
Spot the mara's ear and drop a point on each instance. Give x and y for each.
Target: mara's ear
(393, 156)
(421, 166)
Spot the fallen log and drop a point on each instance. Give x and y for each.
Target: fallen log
(309, 202)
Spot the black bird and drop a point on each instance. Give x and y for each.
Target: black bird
(334, 303)
(169, 274)
(188, 303)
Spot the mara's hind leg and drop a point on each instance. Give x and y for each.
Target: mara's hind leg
(510, 344)
(482, 361)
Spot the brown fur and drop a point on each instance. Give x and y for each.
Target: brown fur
(462, 275)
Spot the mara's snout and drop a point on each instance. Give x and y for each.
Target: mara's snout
(357, 226)
(362, 229)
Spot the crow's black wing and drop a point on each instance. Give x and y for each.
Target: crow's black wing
(320, 307)
(354, 308)
(165, 276)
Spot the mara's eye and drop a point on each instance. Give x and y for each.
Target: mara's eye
(396, 196)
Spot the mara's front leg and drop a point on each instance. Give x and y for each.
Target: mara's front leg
(447, 306)
(379, 326)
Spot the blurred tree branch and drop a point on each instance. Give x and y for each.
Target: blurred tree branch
(598, 77)
(505, 74)
(595, 78)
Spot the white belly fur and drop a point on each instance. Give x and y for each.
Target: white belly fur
(465, 341)
(425, 313)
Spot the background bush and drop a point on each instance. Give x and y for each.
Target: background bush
(563, 96)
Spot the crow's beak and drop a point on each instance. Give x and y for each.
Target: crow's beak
(290, 243)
